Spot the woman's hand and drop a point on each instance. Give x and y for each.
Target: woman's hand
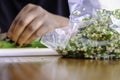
(33, 22)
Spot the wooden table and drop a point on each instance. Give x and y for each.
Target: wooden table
(56, 68)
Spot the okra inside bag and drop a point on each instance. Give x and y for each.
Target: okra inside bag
(96, 28)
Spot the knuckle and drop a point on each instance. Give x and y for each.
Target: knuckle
(16, 20)
(21, 22)
(37, 34)
(29, 5)
(31, 28)
(37, 8)
(34, 9)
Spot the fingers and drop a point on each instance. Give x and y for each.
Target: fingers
(22, 12)
(23, 19)
(21, 24)
(30, 29)
(42, 31)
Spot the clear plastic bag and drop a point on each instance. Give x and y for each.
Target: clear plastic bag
(93, 32)
(58, 37)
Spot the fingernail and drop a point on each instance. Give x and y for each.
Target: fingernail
(20, 45)
(9, 35)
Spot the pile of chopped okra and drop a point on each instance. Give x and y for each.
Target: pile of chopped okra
(96, 38)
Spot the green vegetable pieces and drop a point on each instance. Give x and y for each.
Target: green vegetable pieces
(96, 40)
(8, 44)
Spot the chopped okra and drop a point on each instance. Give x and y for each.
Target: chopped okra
(96, 40)
(8, 44)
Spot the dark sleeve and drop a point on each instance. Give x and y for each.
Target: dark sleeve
(10, 8)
